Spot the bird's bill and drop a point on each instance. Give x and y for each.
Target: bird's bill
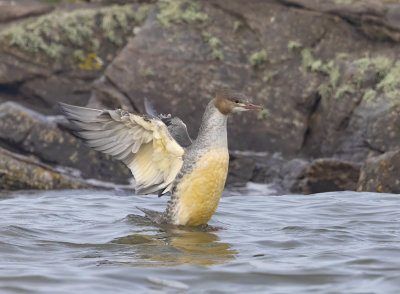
(252, 106)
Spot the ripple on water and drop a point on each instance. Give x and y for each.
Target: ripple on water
(98, 242)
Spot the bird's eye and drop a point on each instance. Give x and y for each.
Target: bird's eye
(236, 101)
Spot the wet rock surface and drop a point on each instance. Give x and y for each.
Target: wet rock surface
(327, 73)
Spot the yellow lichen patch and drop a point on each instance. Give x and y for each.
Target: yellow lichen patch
(200, 191)
(91, 62)
(383, 163)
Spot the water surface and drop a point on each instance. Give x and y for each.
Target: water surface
(98, 242)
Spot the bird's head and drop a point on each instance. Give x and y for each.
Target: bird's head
(228, 101)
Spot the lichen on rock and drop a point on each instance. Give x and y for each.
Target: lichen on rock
(390, 84)
(91, 62)
(329, 69)
(387, 71)
(293, 45)
(51, 35)
(214, 44)
(258, 58)
(180, 11)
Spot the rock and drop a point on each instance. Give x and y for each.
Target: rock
(283, 174)
(325, 175)
(354, 125)
(333, 92)
(105, 95)
(381, 173)
(267, 169)
(56, 57)
(327, 73)
(182, 64)
(291, 174)
(12, 10)
(29, 132)
(20, 172)
(241, 169)
(376, 19)
(383, 128)
(294, 175)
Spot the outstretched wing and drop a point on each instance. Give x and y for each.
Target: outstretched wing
(142, 143)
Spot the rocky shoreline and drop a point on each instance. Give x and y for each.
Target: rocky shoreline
(327, 72)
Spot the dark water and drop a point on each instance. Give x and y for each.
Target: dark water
(97, 242)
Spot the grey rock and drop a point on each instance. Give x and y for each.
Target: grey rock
(19, 172)
(62, 68)
(241, 169)
(381, 173)
(28, 132)
(329, 174)
(12, 10)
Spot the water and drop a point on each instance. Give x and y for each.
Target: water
(98, 242)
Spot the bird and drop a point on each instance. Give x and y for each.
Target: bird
(161, 155)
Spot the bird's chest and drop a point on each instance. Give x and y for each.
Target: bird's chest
(199, 192)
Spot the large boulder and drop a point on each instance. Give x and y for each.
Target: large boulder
(324, 82)
(325, 175)
(381, 173)
(56, 57)
(178, 61)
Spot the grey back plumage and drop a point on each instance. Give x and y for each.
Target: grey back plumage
(176, 127)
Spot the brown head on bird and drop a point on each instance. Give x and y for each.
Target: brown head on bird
(228, 101)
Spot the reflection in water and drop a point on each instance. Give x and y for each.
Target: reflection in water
(173, 245)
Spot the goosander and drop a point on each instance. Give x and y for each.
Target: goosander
(162, 156)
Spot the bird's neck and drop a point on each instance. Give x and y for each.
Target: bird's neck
(213, 128)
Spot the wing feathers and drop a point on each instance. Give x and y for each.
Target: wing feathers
(142, 143)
